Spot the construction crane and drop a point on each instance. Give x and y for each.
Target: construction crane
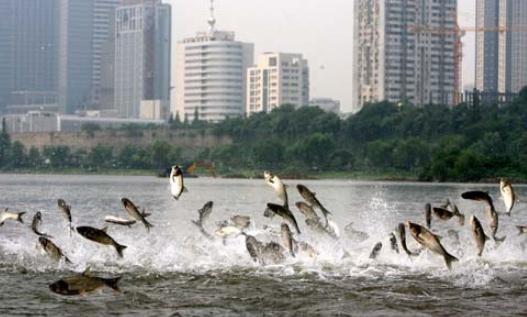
(459, 32)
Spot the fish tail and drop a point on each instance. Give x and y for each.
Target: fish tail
(120, 249)
(297, 228)
(19, 218)
(449, 258)
(499, 240)
(148, 225)
(461, 219)
(112, 283)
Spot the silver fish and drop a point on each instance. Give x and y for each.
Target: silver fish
(429, 240)
(204, 213)
(376, 250)
(134, 213)
(509, 197)
(65, 209)
(521, 229)
(284, 213)
(119, 221)
(310, 198)
(7, 215)
(35, 224)
(393, 242)
(52, 250)
(81, 284)
(273, 253)
(287, 239)
(478, 234)
(276, 183)
(402, 238)
(492, 215)
(177, 188)
(307, 210)
(100, 236)
(254, 247)
(428, 216)
(242, 222)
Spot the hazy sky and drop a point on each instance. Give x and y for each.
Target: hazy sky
(322, 30)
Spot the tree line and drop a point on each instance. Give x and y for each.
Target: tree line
(435, 143)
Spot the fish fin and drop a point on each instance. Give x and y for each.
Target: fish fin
(105, 229)
(19, 217)
(67, 260)
(146, 214)
(185, 190)
(449, 259)
(112, 283)
(176, 197)
(520, 230)
(120, 249)
(148, 225)
(196, 222)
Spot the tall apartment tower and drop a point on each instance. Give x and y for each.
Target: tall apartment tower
(142, 58)
(275, 80)
(75, 54)
(398, 55)
(102, 50)
(28, 50)
(501, 57)
(84, 34)
(211, 75)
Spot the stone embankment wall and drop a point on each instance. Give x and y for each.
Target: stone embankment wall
(188, 140)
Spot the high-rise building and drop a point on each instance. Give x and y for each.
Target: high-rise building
(398, 55)
(275, 80)
(75, 54)
(211, 75)
(85, 28)
(142, 57)
(28, 49)
(102, 51)
(501, 48)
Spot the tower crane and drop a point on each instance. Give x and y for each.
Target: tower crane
(459, 32)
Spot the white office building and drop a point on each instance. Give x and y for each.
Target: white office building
(277, 79)
(210, 74)
(404, 51)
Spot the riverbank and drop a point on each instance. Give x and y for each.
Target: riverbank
(252, 174)
(242, 174)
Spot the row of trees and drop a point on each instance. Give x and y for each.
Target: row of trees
(464, 143)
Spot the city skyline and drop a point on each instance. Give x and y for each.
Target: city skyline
(329, 47)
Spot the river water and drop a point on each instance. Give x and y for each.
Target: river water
(175, 271)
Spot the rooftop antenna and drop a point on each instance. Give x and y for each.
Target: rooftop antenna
(212, 19)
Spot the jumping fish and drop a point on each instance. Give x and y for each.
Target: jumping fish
(276, 183)
(430, 241)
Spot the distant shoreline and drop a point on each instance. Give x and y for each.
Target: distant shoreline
(352, 175)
